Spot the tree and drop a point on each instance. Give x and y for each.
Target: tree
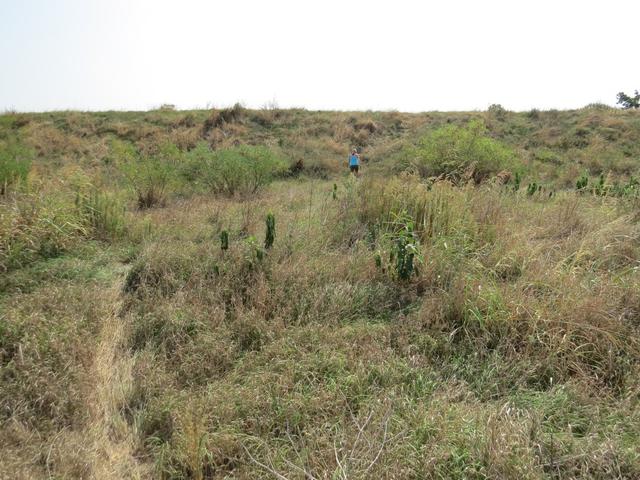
(629, 102)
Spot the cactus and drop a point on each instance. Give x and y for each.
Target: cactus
(335, 191)
(516, 182)
(582, 182)
(224, 240)
(270, 236)
(406, 247)
(599, 188)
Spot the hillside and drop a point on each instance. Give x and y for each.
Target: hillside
(209, 294)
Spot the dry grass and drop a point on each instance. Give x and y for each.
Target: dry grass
(512, 353)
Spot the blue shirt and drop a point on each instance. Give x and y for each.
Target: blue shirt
(353, 160)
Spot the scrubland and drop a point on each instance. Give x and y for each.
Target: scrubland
(468, 308)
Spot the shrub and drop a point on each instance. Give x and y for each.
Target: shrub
(148, 175)
(243, 169)
(219, 118)
(461, 153)
(498, 111)
(15, 163)
(405, 248)
(628, 101)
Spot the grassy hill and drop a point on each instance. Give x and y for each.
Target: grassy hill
(468, 308)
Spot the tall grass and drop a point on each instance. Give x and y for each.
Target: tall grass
(15, 163)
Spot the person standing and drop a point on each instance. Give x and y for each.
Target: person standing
(354, 162)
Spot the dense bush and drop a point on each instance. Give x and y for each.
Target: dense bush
(149, 175)
(242, 169)
(461, 153)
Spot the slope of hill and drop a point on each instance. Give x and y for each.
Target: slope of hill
(399, 326)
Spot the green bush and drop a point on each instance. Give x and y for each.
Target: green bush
(148, 175)
(15, 163)
(243, 169)
(461, 153)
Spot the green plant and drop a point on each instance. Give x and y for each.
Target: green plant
(582, 182)
(242, 169)
(627, 101)
(532, 188)
(335, 191)
(516, 181)
(36, 226)
(405, 247)
(498, 111)
(270, 235)
(149, 175)
(15, 163)
(600, 188)
(224, 240)
(461, 153)
(103, 212)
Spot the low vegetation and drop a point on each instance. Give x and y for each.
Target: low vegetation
(210, 295)
(461, 153)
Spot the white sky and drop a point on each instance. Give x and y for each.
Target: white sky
(343, 55)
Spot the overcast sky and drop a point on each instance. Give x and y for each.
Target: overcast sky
(343, 55)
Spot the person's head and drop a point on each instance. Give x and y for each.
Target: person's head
(354, 151)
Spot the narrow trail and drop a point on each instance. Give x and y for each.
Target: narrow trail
(110, 385)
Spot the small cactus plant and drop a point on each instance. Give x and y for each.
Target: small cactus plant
(224, 240)
(378, 260)
(516, 182)
(582, 182)
(270, 236)
(600, 188)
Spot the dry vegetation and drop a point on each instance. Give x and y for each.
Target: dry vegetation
(132, 345)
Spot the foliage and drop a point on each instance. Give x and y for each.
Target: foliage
(149, 175)
(498, 111)
(582, 182)
(15, 163)
(243, 169)
(532, 188)
(102, 211)
(35, 226)
(461, 153)
(405, 246)
(516, 181)
(629, 102)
